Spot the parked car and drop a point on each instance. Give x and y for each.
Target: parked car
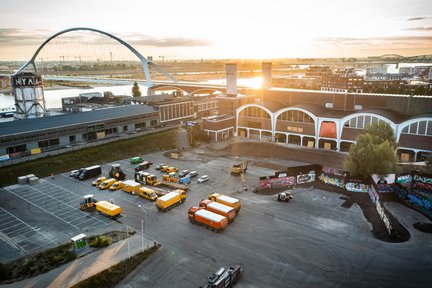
(136, 160)
(75, 173)
(98, 181)
(183, 173)
(159, 166)
(193, 174)
(203, 178)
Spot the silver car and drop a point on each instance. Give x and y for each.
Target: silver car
(203, 178)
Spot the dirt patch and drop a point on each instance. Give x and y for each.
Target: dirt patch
(268, 165)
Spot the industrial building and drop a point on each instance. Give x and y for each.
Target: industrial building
(33, 136)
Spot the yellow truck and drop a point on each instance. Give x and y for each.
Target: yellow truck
(147, 193)
(226, 200)
(108, 209)
(130, 186)
(107, 183)
(171, 200)
(239, 168)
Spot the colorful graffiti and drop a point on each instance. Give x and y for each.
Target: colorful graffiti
(332, 180)
(419, 200)
(356, 187)
(306, 178)
(277, 182)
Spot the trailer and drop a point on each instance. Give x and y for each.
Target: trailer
(170, 200)
(226, 200)
(108, 209)
(207, 218)
(219, 208)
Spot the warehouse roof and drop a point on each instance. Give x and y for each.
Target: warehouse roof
(52, 122)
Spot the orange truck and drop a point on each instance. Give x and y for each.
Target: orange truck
(207, 218)
(226, 200)
(219, 208)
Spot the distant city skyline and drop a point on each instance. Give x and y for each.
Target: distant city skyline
(225, 29)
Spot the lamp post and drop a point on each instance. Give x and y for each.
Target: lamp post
(142, 227)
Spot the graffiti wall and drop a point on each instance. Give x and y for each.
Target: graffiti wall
(332, 180)
(280, 182)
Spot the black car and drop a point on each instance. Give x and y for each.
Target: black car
(183, 173)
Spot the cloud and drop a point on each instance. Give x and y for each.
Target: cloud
(144, 40)
(417, 18)
(419, 28)
(18, 37)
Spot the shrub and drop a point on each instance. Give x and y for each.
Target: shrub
(101, 241)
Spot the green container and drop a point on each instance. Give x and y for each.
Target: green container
(136, 160)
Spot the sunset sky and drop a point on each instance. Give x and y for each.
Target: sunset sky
(192, 29)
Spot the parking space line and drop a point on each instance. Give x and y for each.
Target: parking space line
(14, 243)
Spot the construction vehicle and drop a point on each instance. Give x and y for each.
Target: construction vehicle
(284, 196)
(207, 218)
(224, 277)
(130, 186)
(88, 202)
(163, 168)
(171, 200)
(90, 172)
(170, 177)
(116, 186)
(239, 168)
(226, 200)
(98, 181)
(147, 193)
(146, 178)
(116, 172)
(219, 208)
(107, 183)
(104, 207)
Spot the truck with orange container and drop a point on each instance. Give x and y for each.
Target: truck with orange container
(226, 200)
(219, 208)
(207, 218)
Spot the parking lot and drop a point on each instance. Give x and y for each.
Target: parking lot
(311, 241)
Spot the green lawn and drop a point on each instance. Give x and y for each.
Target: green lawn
(89, 156)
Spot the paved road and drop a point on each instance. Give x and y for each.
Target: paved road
(309, 242)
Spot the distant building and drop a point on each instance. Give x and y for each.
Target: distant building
(342, 83)
(376, 70)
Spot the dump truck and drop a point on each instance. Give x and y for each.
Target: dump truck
(116, 172)
(207, 218)
(107, 183)
(239, 168)
(226, 200)
(108, 209)
(146, 178)
(219, 208)
(130, 186)
(224, 277)
(170, 200)
(147, 193)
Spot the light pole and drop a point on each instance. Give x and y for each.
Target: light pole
(142, 227)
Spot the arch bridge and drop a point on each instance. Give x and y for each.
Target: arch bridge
(144, 61)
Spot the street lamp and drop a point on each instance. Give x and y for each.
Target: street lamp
(142, 227)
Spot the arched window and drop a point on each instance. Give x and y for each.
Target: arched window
(361, 122)
(295, 116)
(419, 128)
(255, 112)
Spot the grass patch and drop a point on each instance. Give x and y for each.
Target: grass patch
(32, 265)
(85, 157)
(112, 276)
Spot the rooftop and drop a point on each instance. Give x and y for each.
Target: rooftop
(51, 122)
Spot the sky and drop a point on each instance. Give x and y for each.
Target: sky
(228, 29)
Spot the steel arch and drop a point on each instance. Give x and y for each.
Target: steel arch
(145, 63)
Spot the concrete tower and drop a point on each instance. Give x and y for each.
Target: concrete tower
(231, 79)
(266, 75)
(29, 95)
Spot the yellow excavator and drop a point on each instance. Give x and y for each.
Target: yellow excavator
(239, 168)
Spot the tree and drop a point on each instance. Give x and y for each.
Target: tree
(136, 92)
(373, 153)
(381, 132)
